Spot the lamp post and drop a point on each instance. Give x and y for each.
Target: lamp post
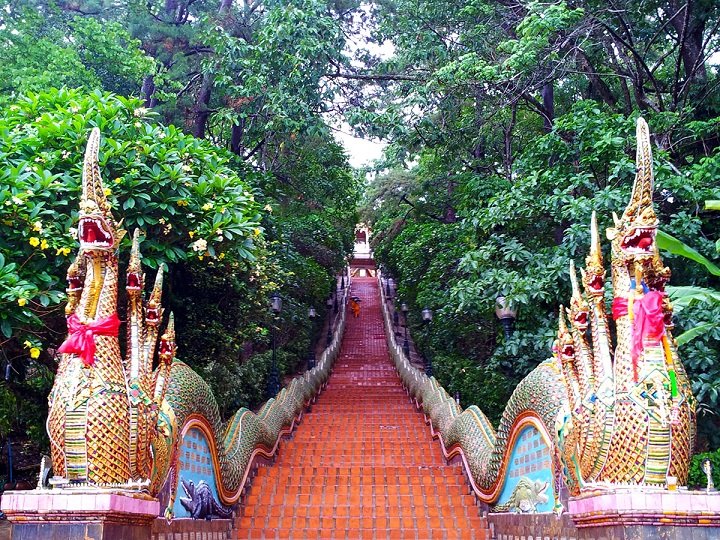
(506, 311)
(388, 289)
(312, 314)
(329, 305)
(406, 344)
(274, 379)
(427, 316)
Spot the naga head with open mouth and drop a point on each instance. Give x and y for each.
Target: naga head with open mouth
(97, 230)
(565, 343)
(153, 309)
(634, 233)
(579, 311)
(135, 277)
(593, 276)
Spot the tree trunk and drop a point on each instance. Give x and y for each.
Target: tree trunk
(690, 27)
(148, 91)
(202, 111)
(548, 98)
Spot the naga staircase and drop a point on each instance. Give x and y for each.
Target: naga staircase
(362, 464)
(592, 444)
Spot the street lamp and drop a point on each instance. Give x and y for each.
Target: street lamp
(329, 305)
(506, 311)
(312, 314)
(274, 379)
(406, 344)
(427, 316)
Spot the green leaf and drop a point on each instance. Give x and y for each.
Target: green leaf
(712, 205)
(677, 247)
(682, 297)
(697, 331)
(6, 328)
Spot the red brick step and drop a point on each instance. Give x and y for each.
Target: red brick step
(362, 464)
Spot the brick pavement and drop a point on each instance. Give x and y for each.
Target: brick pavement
(362, 464)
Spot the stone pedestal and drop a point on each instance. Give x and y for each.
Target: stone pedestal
(90, 514)
(625, 513)
(646, 514)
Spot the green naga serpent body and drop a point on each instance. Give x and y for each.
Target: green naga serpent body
(622, 415)
(114, 421)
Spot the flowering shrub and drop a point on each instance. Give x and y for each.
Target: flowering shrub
(177, 189)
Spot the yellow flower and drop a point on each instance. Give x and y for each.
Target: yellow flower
(34, 241)
(267, 208)
(182, 202)
(22, 301)
(34, 352)
(200, 257)
(191, 233)
(44, 244)
(107, 192)
(63, 251)
(256, 231)
(117, 180)
(207, 206)
(37, 226)
(221, 256)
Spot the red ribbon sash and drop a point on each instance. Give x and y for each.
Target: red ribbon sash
(648, 323)
(81, 340)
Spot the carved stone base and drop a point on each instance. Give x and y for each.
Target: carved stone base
(646, 514)
(630, 513)
(90, 514)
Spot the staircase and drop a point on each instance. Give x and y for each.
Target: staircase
(362, 464)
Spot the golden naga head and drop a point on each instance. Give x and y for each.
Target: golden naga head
(593, 275)
(565, 342)
(154, 310)
(167, 348)
(97, 230)
(633, 236)
(579, 311)
(135, 277)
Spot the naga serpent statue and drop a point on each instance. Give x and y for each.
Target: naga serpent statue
(605, 415)
(117, 423)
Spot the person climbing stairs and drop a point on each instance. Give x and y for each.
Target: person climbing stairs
(362, 464)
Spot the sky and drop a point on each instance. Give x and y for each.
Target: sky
(361, 151)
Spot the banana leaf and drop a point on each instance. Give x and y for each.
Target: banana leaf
(677, 247)
(698, 331)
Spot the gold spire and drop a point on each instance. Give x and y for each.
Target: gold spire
(92, 185)
(643, 186)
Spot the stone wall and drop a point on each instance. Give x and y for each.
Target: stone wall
(191, 529)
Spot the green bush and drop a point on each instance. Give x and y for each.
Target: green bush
(177, 189)
(697, 478)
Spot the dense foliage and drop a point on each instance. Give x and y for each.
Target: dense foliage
(508, 124)
(222, 159)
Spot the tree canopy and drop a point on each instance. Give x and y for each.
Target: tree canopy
(507, 123)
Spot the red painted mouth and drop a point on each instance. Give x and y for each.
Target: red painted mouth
(581, 319)
(133, 281)
(640, 242)
(74, 284)
(152, 316)
(596, 284)
(94, 233)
